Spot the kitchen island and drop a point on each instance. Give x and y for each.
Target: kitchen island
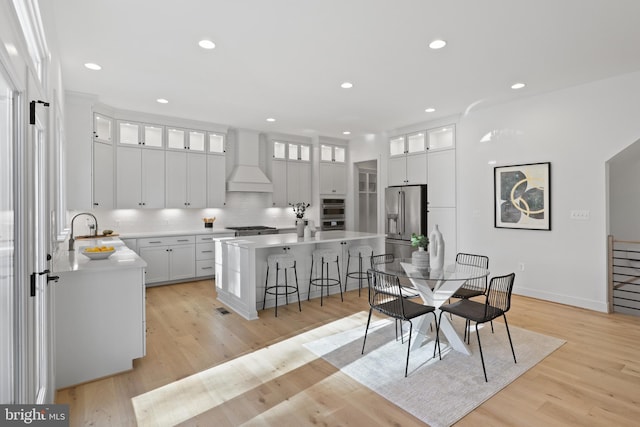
(241, 264)
(99, 312)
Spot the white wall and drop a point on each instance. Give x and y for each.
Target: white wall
(577, 129)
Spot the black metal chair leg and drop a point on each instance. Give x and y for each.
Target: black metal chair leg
(346, 276)
(295, 273)
(277, 270)
(339, 279)
(310, 278)
(406, 366)
(481, 356)
(366, 330)
(266, 283)
(509, 335)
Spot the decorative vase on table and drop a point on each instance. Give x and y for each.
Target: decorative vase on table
(420, 258)
(300, 227)
(436, 249)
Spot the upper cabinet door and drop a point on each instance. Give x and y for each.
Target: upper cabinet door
(326, 153)
(128, 133)
(153, 136)
(441, 138)
(216, 143)
(176, 139)
(416, 142)
(196, 141)
(339, 154)
(279, 150)
(102, 128)
(396, 146)
(305, 153)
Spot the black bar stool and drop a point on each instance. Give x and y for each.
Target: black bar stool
(281, 262)
(322, 258)
(362, 253)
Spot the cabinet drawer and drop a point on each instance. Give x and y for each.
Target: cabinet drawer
(205, 268)
(204, 239)
(166, 240)
(205, 251)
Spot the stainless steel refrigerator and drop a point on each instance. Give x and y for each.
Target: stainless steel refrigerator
(406, 213)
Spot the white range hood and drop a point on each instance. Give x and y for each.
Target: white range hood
(246, 174)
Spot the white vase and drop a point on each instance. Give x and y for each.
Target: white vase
(300, 227)
(420, 258)
(436, 249)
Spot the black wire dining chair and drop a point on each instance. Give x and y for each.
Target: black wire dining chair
(497, 303)
(472, 287)
(385, 297)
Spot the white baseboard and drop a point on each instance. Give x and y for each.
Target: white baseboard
(563, 299)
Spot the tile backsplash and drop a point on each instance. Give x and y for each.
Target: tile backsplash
(241, 209)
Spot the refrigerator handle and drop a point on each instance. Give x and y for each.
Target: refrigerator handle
(401, 211)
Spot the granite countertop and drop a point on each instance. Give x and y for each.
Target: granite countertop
(69, 261)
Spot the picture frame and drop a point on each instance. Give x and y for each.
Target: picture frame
(522, 196)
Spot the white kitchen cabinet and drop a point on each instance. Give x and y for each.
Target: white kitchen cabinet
(216, 143)
(147, 135)
(441, 138)
(408, 159)
(216, 180)
(333, 178)
(102, 128)
(103, 179)
(291, 173)
(168, 258)
(205, 256)
(442, 178)
(185, 139)
(186, 180)
(140, 178)
(332, 153)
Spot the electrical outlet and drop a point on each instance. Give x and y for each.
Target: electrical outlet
(580, 215)
(521, 266)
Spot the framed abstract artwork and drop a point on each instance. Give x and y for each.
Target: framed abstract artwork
(522, 196)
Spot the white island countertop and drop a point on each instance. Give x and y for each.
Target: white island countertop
(123, 257)
(291, 239)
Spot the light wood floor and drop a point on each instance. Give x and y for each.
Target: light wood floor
(592, 380)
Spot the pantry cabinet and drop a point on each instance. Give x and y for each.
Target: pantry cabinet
(332, 170)
(103, 180)
(408, 159)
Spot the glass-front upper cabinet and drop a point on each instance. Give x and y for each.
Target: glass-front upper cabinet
(279, 150)
(153, 136)
(442, 137)
(102, 128)
(408, 144)
(196, 140)
(216, 143)
(176, 139)
(396, 146)
(299, 152)
(128, 133)
(131, 133)
(333, 153)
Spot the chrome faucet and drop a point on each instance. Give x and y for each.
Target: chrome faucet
(71, 239)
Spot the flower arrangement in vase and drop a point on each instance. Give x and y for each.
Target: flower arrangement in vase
(299, 209)
(420, 258)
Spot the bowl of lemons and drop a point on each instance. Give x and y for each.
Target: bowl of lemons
(98, 252)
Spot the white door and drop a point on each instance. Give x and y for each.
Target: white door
(216, 177)
(183, 261)
(197, 180)
(157, 259)
(176, 179)
(102, 175)
(38, 357)
(417, 168)
(397, 174)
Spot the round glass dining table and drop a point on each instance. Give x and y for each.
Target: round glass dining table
(435, 287)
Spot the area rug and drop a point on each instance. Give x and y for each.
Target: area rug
(439, 392)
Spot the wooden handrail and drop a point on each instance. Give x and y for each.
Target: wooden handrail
(625, 241)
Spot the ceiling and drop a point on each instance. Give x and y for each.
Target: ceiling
(286, 59)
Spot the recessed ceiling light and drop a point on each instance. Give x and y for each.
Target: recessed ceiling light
(346, 132)
(346, 85)
(92, 66)
(206, 44)
(162, 101)
(429, 110)
(271, 119)
(517, 86)
(437, 44)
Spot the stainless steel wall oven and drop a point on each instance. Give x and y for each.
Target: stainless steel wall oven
(332, 214)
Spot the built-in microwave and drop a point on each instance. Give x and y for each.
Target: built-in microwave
(332, 214)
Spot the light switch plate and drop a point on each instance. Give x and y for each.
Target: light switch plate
(580, 215)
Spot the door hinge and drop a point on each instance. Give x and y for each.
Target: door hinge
(32, 110)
